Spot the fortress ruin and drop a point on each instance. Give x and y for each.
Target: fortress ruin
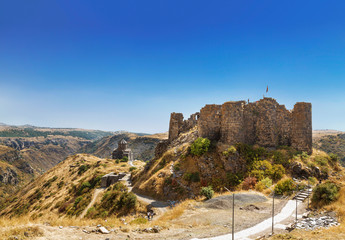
(264, 123)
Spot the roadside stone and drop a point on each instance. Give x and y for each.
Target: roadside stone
(103, 230)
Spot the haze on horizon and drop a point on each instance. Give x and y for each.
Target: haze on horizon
(128, 65)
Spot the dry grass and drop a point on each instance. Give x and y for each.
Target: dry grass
(21, 232)
(176, 211)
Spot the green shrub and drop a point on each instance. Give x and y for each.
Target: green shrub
(334, 157)
(117, 161)
(263, 184)
(192, 177)
(60, 184)
(131, 169)
(124, 159)
(83, 168)
(325, 193)
(285, 187)
(230, 151)
(127, 200)
(207, 192)
(234, 179)
(280, 158)
(84, 187)
(321, 160)
(200, 146)
(278, 172)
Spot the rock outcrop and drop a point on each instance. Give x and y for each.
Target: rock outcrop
(8, 176)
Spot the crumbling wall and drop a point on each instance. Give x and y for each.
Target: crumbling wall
(176, 121)
(301, 127)
(210, 122)
(177, 125)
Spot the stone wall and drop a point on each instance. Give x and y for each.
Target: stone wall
(264, 122)
(232, 122)
(301, 127)
(210, 121)
(177, 125)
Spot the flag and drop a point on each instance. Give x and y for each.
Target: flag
(267, 89)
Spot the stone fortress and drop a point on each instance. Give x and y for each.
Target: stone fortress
(264, 123)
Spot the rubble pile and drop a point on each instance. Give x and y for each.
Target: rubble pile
(317, 222)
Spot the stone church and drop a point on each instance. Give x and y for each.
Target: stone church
(122, 151)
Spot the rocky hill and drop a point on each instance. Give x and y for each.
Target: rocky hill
(183, 166)
(14, 171)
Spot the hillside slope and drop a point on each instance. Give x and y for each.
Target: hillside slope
(66, 189)
(334, 143)
(14, 171)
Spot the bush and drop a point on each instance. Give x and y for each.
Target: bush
(325, 193)
(249, 183)
(285, 187)
(234, 179)
(83, 168)
(278, 172)
(200, 146)
(231, 150)
(321, 160)
(263, 184)
(334, 157)
(124, 159)
(192, 177)
(85, 186)
(127, 200)
(207, 192)
(131, 169)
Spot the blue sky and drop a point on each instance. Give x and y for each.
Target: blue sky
(126, 65)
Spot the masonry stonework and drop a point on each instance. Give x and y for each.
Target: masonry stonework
(265, 123)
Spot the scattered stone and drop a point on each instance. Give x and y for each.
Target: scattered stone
(156, 229)
(315, 223)
(61, 227)
(103, 230)
(99, 225)
(26, 234)
(85, 231)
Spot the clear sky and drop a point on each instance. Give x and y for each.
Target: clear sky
(126, 65)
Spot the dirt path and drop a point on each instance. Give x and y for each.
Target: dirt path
(94, 197)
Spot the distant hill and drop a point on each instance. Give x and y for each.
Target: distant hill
(30, 131)
(333, 142)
